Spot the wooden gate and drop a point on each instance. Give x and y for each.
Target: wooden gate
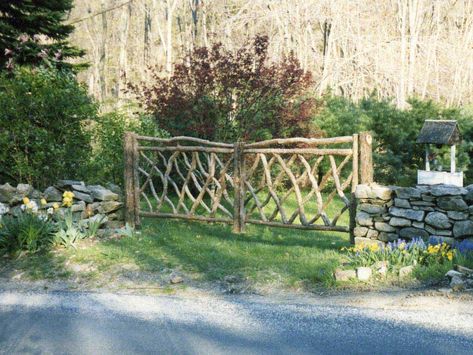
(298, 182)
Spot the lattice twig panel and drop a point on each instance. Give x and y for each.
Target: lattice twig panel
(293, 189)
(295, 182)
(193, 182)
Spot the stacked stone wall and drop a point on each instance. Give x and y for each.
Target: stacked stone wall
(89, 201)
(385, 214)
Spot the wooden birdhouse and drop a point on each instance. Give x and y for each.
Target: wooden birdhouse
(440, 133)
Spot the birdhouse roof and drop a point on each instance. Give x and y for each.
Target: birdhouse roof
(439, 132)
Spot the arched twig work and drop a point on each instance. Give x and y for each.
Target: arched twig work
(297, 182)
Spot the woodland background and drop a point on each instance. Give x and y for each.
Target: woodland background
(401, 48)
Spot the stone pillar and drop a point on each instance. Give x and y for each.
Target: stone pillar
(442, 212)
(372, 219)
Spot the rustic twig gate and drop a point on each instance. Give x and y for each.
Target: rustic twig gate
(280, 182)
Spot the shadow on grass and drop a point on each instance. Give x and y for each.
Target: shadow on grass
(209, 252)
(41, 265)
(261, 255)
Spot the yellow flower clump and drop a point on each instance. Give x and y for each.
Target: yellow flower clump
(374, 248)
(360, 247)
(67, 197)
(26, 200)
(441, 249)
(438, 249)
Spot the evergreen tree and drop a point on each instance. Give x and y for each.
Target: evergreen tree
(32, 32)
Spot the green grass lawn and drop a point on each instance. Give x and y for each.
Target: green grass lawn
(261, 254)
(265, 258)
(289, 206)
(207, 252)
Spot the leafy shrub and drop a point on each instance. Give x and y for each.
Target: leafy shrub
(43, 120)
(396, 155)
(69, 231)
(93, 226)
(225, 95)
(106, 163)
(33, 229)
(465, 150)
(27, 231)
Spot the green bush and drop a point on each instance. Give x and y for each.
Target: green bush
(396, 155)
(69, 232)
(465, 151)
(43, 119)
(106, 164)
(27, 231)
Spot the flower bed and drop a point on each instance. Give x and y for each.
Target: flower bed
(37, 225)
(400, 257)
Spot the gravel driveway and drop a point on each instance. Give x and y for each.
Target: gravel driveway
(106, 323)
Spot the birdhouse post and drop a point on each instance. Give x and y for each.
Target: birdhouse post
(440, 132)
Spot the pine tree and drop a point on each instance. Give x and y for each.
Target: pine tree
(32, 32)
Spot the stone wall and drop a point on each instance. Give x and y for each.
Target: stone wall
(89, 202)
(385, 214)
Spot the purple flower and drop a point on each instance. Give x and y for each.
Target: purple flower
(464, 247)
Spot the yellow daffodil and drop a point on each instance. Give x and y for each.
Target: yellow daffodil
(55, 205)
(43, 202)
(374, 248)
(450, 255)
(68, 194)
(26, 200)
(358, 247)
(67, 201)
(402, 246)
(67, 198)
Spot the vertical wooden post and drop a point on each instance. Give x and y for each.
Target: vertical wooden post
(427, 162)
(238, 183)
(129, 179)
(452, 159)
(136, 182)
(366, 158)
(242, 188)
(354, 183)
(355, 168)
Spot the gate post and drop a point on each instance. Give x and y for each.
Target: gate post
(366, 158)
(129, 185)
(238, 183)
(354, 183)
(136, 182)
(131, 180)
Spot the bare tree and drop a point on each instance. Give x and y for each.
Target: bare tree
(398, 47)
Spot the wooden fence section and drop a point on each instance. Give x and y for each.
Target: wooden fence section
(298, 182)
